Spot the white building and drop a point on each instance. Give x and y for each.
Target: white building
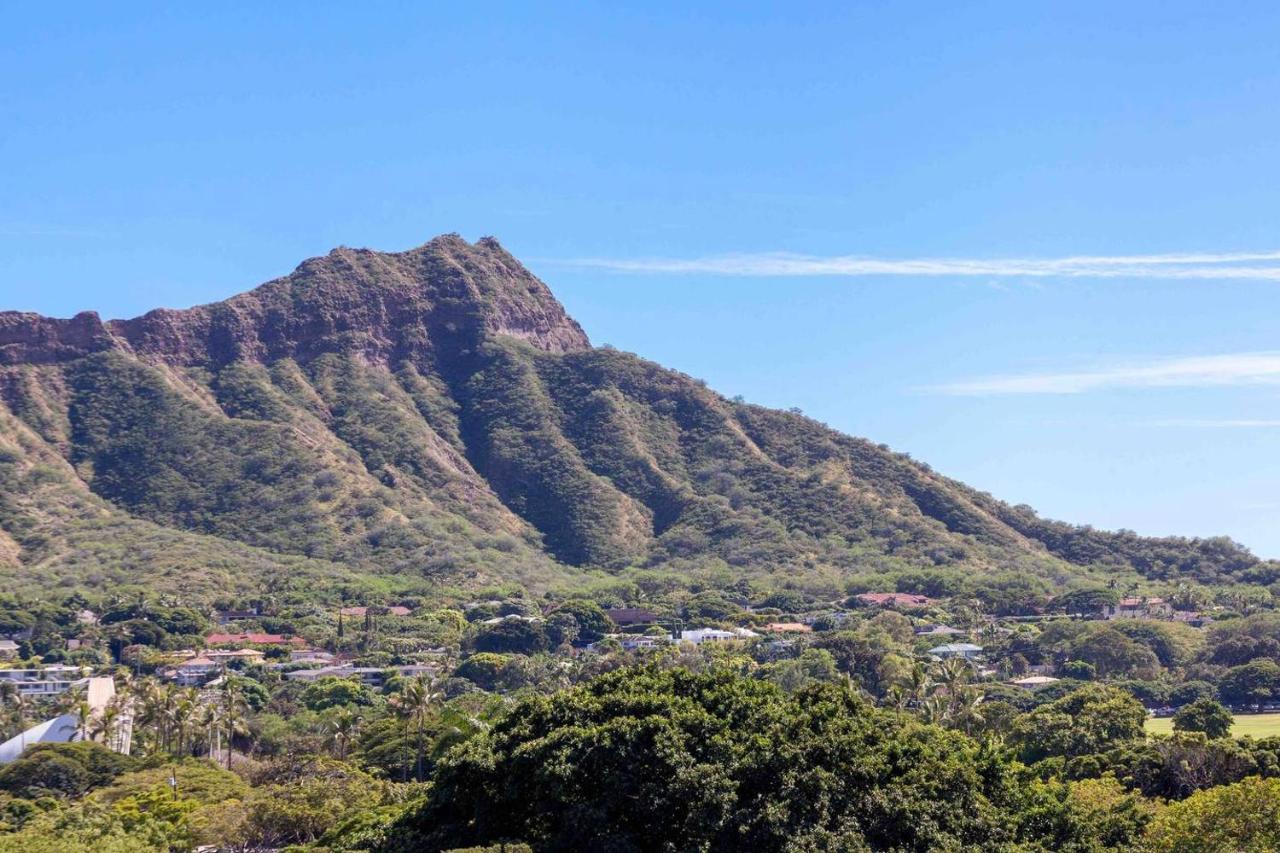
(716, 635)
(968, 651)
(51, 680)
(193, 672)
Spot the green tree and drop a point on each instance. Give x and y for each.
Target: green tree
(593, 622)
(1204, 715)
(1241, 817)
(1254, 683)
(1085, 721)
(331, 692)
(514, 635)
(415, 704)
(716, 762)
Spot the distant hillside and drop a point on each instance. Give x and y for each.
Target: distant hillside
(435, 418)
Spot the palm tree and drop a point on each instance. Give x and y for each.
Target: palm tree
(415, 704)
(149, 708)
(918, 684)
(457, 728)
(233, 712)
(180, 716)
(953, 675)
(104, 726)
(207, 722)
(11, 697)
(84, 716)
(342, 728)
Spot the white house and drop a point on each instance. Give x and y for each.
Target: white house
(715, 635)
(631, 642)
(310, 656)
(968, 651)
(193, 672)
(50, 680)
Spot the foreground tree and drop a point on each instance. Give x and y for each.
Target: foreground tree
(652, 760)
(1204, 715)
(1240, 817)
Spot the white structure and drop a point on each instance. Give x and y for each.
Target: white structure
(8, 649)
(193, 672)
(374, 676)
(66, 728)
(225, 656)
(631, 642)
(310, 656)
(62, 729)
(51, 680)
(968, 651)
(715, 635)
(1031, 682)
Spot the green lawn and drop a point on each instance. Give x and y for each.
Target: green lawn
(1257, 725)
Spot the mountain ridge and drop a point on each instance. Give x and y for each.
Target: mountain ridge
(259, 325)
(434, 417)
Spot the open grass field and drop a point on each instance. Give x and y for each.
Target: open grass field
(1257, 725)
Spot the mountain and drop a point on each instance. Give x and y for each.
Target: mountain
(433, 419)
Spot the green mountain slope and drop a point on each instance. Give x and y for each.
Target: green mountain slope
(433, 418)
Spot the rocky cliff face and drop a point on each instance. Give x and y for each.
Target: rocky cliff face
(383, 307)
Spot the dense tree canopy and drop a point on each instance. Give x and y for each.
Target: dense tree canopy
(653, 760)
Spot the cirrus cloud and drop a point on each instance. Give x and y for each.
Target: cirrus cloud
(1249, 368)
(1260, 266)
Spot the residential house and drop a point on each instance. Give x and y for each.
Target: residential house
(631, 642)
(255, 639)
(225, 616)
(626, 617)
(373, 676)
(967, 651)
(225, 656)
(8, 649)
(1031, 682)
(193, 672)
(51, 680)
(1138, 608)
(716, 635)
(310, 656)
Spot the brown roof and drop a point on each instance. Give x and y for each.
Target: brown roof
(631, 615)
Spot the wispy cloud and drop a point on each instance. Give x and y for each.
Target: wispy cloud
(1250, 368)
(1210, 423)
(1263, 266)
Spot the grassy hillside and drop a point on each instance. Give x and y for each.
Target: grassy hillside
(433, 420)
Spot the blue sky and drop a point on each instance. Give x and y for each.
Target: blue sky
(863, 210)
